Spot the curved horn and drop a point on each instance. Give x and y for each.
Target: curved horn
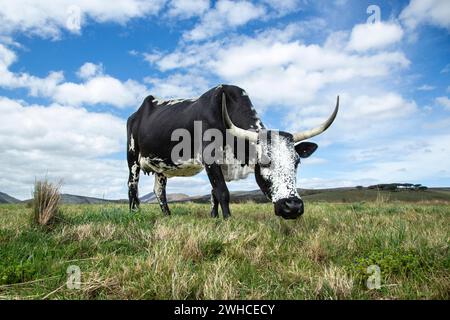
(299, 136)
(235, 131)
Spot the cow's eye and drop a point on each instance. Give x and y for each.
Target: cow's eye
(264, 164)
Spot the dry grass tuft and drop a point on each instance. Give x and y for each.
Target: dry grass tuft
(46, 199)
(338, 283)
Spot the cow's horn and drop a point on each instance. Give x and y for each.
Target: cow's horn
(299, 136)
(235, 131)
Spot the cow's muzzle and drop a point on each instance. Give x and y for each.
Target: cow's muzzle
(289, 208)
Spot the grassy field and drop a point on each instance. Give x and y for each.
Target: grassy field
(254, 255)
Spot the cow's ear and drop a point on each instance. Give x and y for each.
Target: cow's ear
(305, 149)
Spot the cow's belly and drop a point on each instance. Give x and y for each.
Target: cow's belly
(232, 168)
(186, 169)
(233, 172)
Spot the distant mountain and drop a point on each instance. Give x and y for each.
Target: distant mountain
(345, 194)
(171, 197)
(74, 199)
(5, 198)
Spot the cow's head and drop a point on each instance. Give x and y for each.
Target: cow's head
(278, 156)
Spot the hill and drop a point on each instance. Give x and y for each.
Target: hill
(342, 195)
(171, 197)
(75, 199)
(5, 198)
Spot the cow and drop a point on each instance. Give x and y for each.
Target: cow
(228, 109)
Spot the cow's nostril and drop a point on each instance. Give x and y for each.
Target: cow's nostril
(293, 204)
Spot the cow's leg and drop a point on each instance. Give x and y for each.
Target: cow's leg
(221, 192)
(214, 205)
(133, 181)
(160, 192)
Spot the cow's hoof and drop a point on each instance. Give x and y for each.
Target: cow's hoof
(214, 214)
(226, 217)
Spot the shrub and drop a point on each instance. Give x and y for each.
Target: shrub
(46, 199)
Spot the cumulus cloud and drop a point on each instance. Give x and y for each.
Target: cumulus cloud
(187, 8)
(426, 87)
(407, 160)
(374, 36)
(433, 12)
(96, 88)
(443, 102)
(36, 85)
(285, 6)
(89, 70)
(361, 117)
(178, 86)
(60, 142)
(277, 69)
(225, 15)
(47, 18)
(101, 90)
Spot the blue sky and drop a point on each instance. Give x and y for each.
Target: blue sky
(71, 72)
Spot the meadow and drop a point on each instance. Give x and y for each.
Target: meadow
(254, 255)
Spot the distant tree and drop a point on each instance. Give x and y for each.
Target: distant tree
(422, 188)
(390, 187)
(359, 187)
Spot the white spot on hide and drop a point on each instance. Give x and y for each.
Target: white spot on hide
(131, 147)
(160, 102)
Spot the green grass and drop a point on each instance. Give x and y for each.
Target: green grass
(254, 255)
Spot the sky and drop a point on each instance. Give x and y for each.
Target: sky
(72, 71)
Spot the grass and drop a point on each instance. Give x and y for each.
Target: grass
(45, 202)
(255, 255)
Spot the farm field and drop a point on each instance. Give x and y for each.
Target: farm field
(254, 255)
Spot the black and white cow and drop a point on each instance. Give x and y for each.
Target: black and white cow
(228, 109)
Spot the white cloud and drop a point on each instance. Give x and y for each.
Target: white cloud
(36, 85)
(411, 159)
(47, 18)
(285, 6)
(433, 12)
(446, 69)
(426, 87)
(60, 142)
(278, 70)
(374, 36)
(443, 102)
(225, 15)
(101, 90)
(97, 87)
(187, 8)
(378, 108)
(360, 118)
(64, 130)
(177, 86)
(90, 70)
